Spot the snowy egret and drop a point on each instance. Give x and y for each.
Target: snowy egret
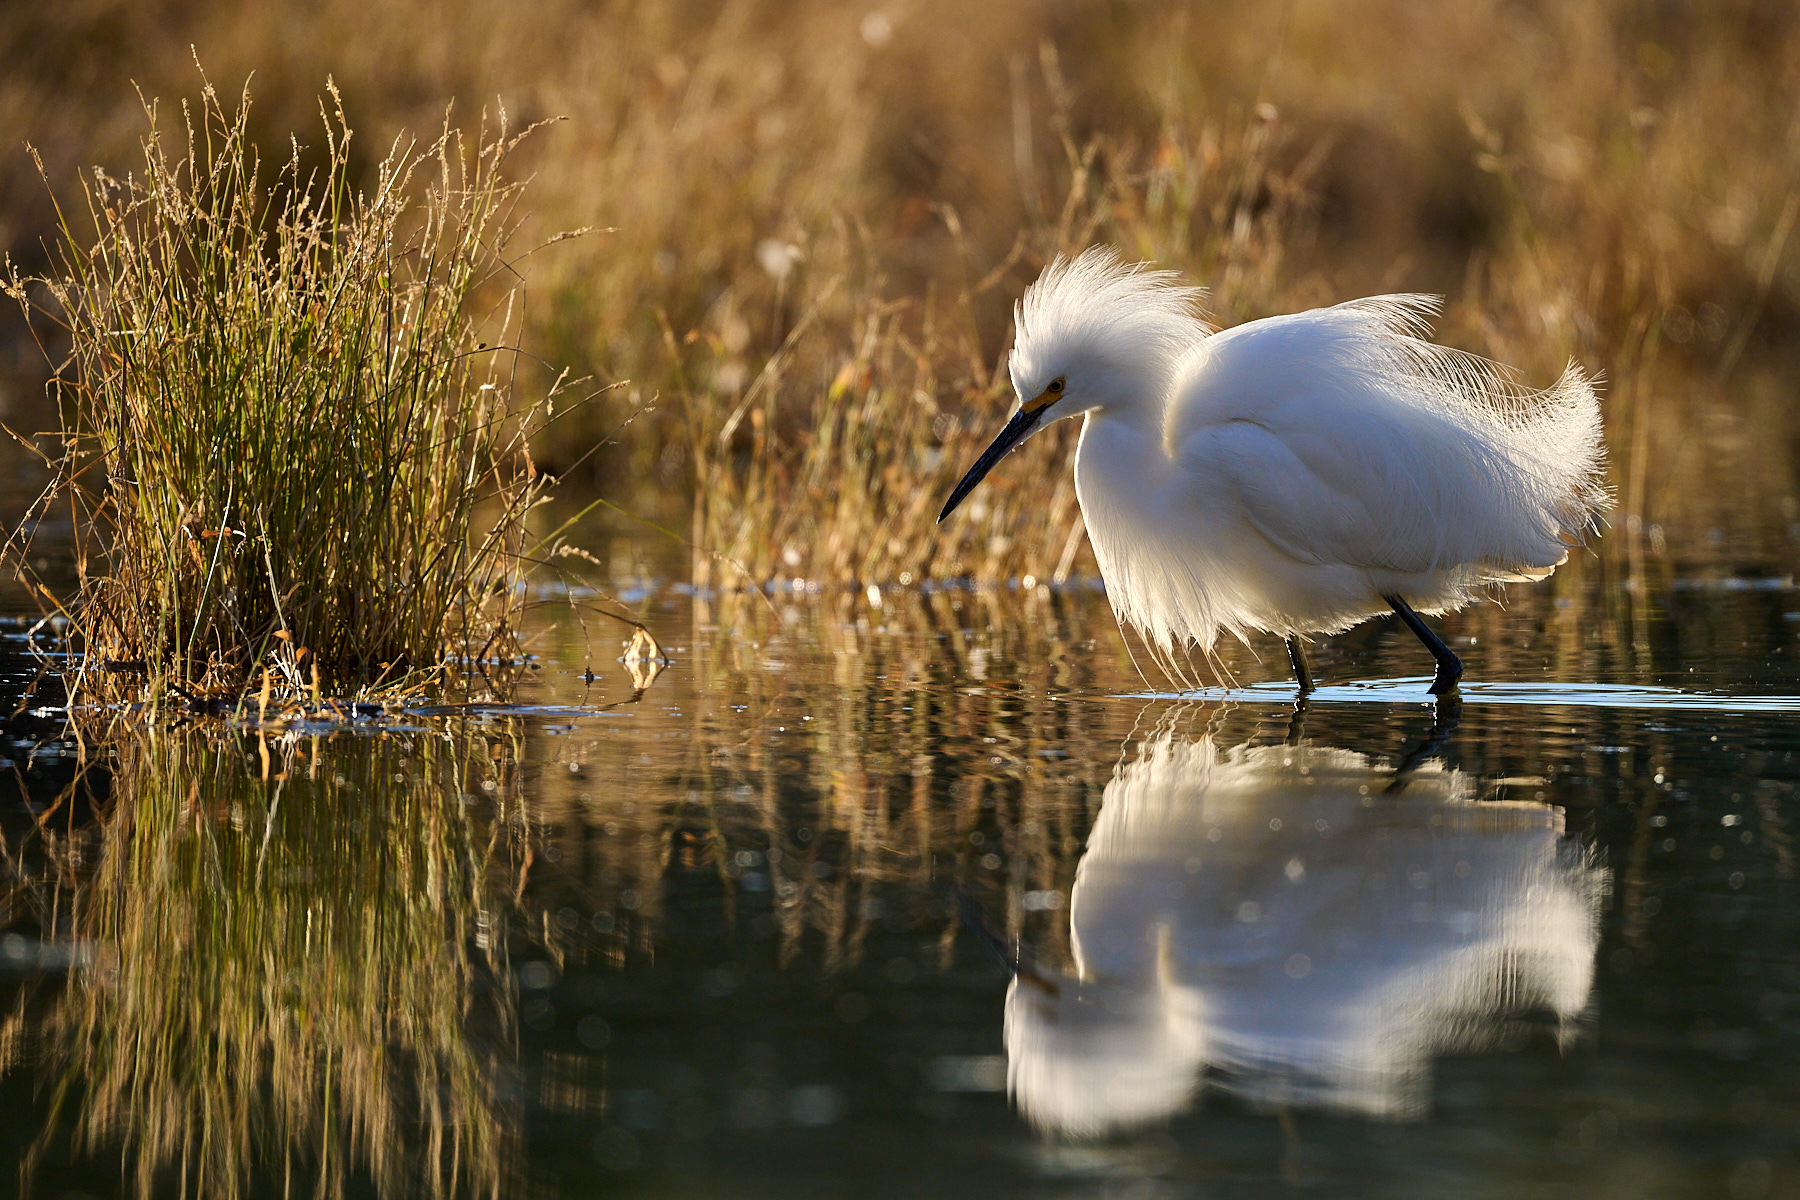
(1298, 474)
(1221, 938)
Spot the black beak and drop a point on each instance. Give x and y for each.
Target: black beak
(1021, 424)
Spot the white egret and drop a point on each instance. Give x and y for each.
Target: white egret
(1297, 474)
(1245, 918)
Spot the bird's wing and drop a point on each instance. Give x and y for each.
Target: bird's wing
(1346, 441)
(1319, 500)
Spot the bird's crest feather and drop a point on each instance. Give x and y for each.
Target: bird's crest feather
(1097, 306)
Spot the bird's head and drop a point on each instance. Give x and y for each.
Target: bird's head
(1091, 333)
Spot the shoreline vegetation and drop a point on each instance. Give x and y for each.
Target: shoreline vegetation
(290, 450)
(813, 224)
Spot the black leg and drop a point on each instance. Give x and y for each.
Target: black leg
(1297, 659)
(1449, 667)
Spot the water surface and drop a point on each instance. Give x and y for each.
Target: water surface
(931, 893)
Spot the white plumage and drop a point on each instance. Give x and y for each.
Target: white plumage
(1248, 916)
(1297, 474)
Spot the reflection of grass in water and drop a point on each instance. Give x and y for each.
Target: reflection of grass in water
(873, 806)
(868, 740)
(284, 968)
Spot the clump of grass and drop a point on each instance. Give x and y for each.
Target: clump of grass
(286, 439)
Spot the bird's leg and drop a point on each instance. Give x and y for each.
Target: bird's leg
(1303, 674)
(1297, 658)
(1449, 667)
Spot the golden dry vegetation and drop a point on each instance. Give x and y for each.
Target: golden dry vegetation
(822, 211)
(819, 215)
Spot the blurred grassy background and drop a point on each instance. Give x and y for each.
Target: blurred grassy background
(821, 213)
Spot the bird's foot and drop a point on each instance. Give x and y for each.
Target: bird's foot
(1449, 677)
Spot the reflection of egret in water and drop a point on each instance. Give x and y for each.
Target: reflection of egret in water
(1268, 917)
(285, 966)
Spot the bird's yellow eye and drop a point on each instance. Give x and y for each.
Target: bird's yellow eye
(1046, 397)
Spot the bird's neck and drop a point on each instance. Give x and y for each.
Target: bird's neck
(1136, 397)
(1136, 405)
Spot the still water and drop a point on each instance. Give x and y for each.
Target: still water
(915, 894)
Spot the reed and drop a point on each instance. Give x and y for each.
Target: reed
(286, 435)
